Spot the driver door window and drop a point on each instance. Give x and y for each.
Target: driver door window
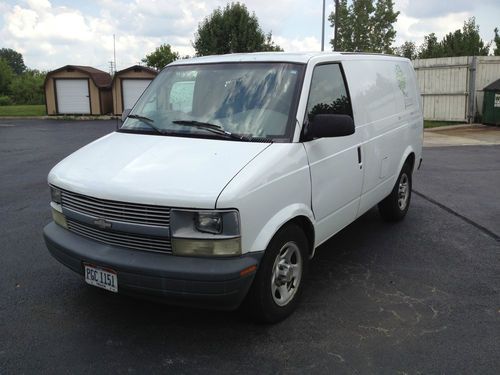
(328, 93)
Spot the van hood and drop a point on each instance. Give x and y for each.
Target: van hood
(158, 170)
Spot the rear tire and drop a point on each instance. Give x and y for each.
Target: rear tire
(395, 206)
(277, 286)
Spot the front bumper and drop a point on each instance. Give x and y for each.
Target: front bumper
(186, 281)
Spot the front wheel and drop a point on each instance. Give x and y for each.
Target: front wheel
(395, 206)
(277, 287)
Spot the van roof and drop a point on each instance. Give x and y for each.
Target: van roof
(300, 57)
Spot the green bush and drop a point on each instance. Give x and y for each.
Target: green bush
(27, 88)
(5, 100)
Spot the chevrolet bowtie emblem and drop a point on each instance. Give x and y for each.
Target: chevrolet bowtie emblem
(102, 223)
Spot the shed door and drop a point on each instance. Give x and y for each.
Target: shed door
(132, 90)
(73, 96)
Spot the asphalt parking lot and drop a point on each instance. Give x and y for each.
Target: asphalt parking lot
(421, 296)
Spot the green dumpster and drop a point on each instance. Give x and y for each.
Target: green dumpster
(491, 104)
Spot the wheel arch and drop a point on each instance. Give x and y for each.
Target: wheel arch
(308, 228)
(299, 215)
(408, 156)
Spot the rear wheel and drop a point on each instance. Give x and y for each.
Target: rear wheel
(277, 287)
(395, 206)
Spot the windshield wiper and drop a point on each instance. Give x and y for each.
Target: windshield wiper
(213, 128)
(147, 121)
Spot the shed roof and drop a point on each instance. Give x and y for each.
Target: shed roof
(137, 67)
(100, 78)
(494, 86)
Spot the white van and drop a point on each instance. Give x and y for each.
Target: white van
(231, 170)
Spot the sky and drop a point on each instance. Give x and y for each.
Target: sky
(54, 33)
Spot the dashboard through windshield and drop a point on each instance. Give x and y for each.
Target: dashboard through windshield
(245, 100)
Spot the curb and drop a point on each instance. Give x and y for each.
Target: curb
(451, 127)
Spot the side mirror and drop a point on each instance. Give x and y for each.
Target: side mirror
(331, 125)
(125, 114)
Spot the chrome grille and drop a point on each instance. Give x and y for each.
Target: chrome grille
(120, 211)
(133, 241)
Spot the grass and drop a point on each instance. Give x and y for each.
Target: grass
(22, 110)
(434, 124)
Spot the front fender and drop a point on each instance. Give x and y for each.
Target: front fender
(282, 217)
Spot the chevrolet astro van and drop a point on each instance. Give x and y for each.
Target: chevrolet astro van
(230, 171)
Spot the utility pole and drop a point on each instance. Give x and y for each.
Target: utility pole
(323, 28)
(114, 51)
(336, 25)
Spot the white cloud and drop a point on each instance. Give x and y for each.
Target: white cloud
(414, 29)
(306, 44)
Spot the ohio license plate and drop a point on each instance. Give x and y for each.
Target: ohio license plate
(101, 278)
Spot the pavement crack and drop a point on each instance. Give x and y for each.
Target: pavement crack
(460, 216)
(338, 357)
(385, 331)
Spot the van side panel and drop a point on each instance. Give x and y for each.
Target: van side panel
(388, 116)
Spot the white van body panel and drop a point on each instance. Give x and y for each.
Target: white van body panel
(271, 190)
(388, 117)
(157, 170)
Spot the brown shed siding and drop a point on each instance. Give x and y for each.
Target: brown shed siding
(106, 101)
(134, 72)
(99, 97)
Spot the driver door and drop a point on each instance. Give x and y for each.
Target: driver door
(335, 163)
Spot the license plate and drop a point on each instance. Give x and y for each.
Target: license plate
(101, 278)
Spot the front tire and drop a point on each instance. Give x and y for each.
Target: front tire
(277, 287)
(395, 206)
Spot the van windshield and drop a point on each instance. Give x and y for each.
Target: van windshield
(251, 100)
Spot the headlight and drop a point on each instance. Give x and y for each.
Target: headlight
(205, 233)
(55, 194)
(208, 222)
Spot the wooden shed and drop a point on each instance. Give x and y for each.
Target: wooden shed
(128, 86)
(78, 90)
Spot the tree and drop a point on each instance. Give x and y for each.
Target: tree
(383, 33)
(496, 40)
(270, 45)
(229, 30)
(430, 48)
(362, 27)
(14, 59)
(27, 88)
(365, 27)
(161, 57)
(464, 42)
(344, 28)
(6, 76)
(408, 50)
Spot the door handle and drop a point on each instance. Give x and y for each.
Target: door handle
(359, 158)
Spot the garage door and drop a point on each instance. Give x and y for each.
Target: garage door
(72, 96)
(132, 90)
